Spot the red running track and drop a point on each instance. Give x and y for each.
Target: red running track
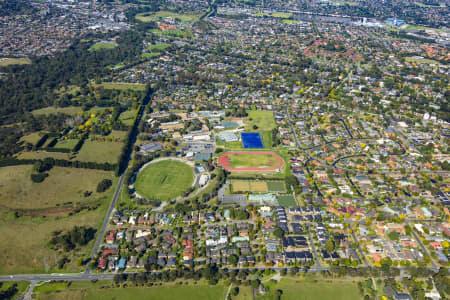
(224, 162)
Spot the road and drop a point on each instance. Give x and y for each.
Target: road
(425, 251)
(108, 276)
(361, 253)
(101, 234)
(313, 248)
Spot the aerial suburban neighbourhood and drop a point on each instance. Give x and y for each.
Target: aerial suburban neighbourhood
(224, 149)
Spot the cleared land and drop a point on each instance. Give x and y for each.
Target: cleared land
(101, 152)
(102, 45)
(14, 61)
(169, 291)
(319, 289)
(148, 17)
(286, 201)
(122, 86)
(70, 110)
(63, 185)
(164, 180)
(26, 250)
(249, 186)
(261, 118)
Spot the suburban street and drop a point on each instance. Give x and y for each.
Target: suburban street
(105, 222)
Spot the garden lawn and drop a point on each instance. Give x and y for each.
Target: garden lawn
(101, 152)
(164, 180)
(17, 191)
(262, 118)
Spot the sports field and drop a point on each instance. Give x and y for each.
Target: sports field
(249, 186)
(257, 186)
(276, 186)
(250, 161)
(286, 201)
(251, 140)
(164, 180)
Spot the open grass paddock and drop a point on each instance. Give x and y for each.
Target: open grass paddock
(101, 152)
(168, 291)
(17, 191)
(164, 180)
(26, 248)
(14, 61)
(150, 16)
(299, 289)
(263, 119)
(102, 46)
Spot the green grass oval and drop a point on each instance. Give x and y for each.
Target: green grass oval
(164, 180)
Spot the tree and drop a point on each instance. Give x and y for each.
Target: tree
(233, 259)
(278, 232)
(235, 291)
(393, 235)
(255, 283)
(104, 185)
(278, 293)
(329, 245)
